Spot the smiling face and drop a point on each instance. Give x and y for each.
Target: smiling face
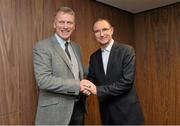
(103, 32)
(64, 25)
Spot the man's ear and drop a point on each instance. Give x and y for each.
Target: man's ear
(54, 24)
(112, 30)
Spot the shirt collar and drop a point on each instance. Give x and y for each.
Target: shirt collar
(60, 40)
(108, 48)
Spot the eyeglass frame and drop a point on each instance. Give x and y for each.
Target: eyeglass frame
(104, 30)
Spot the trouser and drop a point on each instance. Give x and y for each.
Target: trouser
(77, 117)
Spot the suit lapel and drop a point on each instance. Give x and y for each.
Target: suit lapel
(111, 59)
(100, 62)
(60, 52)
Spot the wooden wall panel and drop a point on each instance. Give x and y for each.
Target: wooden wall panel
(8, 64)
(157, 41)
(18, 88)
(22, 24)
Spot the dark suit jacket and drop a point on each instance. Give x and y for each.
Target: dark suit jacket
(115, 90)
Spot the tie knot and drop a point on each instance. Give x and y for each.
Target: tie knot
(66, 44)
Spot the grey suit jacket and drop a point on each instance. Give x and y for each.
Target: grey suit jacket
(55, 79)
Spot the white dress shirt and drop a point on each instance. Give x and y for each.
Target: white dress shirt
(105, 55)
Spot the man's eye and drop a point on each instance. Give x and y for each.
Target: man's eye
(105, 29)
(69, 23)
(61, 22)
(96, 31)
(102, 30)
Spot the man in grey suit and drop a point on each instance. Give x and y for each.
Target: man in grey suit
(58, 71)
(112, 70)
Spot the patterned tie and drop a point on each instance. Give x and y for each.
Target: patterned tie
(67, 51)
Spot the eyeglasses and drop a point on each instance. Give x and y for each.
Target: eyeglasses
(104, 30)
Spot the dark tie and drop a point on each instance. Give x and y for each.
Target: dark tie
(67, 51)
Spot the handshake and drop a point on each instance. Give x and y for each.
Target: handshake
(87, 87)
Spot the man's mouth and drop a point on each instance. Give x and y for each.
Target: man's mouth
(65, 31)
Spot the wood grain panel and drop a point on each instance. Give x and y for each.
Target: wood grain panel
(157, 40)
(9, 79)
(10, 118)
(18, 89)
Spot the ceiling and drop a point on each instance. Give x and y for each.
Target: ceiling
(136, 6)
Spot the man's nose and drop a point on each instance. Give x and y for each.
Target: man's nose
(101, 33)
(65, 25)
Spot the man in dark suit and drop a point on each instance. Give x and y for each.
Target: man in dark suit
(58, 71)
(112, 70)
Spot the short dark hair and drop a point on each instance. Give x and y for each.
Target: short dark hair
(103, 19)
